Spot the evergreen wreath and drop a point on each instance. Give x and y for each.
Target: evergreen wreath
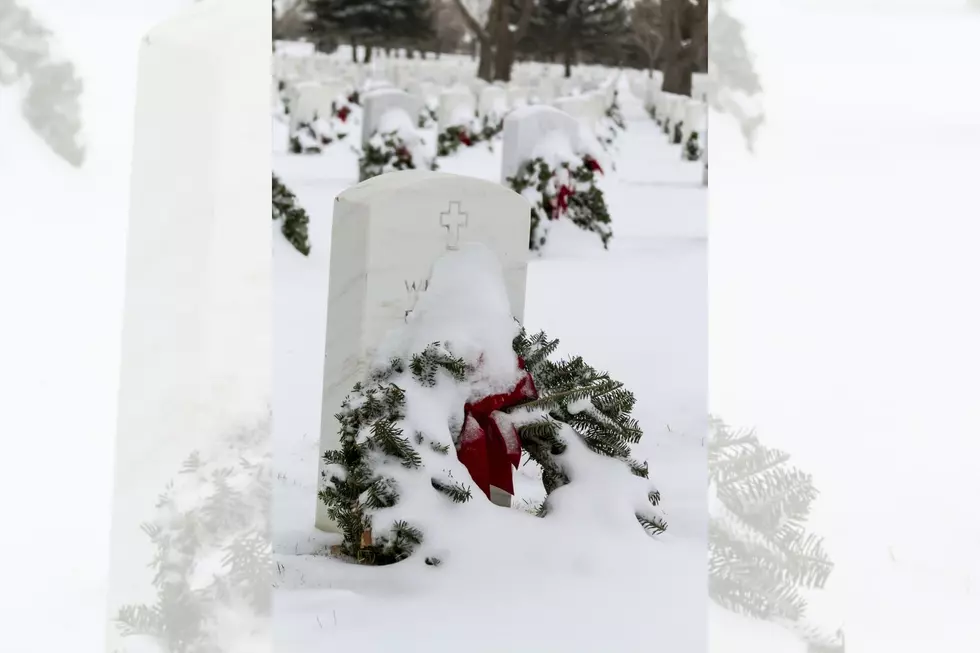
(571, 393)
(491, 128)
(652, 110)
(294, 218)
(678, 136)
(692, 148)
(387, 152)
(615, 114)
(213, 559)
(563, 192)
(428, 117)
(761, 559)
(453, 138)
(310, 137)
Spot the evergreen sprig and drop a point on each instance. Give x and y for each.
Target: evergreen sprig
(761, 558)
(597, 408)
(294, 218)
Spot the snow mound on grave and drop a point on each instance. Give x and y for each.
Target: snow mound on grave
(466, 308)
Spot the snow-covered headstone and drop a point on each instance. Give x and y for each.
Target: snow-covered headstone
(315, 100)
(456, 108)
(493, 102)
(197, 339)
(387, 232)
(525, 127)
(381, 102)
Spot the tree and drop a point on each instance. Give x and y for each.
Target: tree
(506, 24)
(575, 26)
(685, 46)
(646, 31)
(290, 21)
(372, 23)
(735, 85)
(52, 89)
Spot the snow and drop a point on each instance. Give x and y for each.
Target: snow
(843, 249)
(501, 564)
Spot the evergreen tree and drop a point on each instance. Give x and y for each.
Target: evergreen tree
(373, 22)
(51, 102)
(567, 27)
(761, 559)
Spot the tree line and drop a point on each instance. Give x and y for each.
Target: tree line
(666, 35)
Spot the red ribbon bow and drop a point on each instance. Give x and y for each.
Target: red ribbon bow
(464, 138)
(593, 165)
(488, 443)
(562, 201)
(343, 113)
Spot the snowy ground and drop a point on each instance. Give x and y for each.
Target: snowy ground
(639, 310)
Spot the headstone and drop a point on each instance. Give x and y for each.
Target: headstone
(695, 119)
(493, 102)
(315, 99)
(525, 127)
(386, 234)
(587, 109)
(456, 107)
(196, 352)
(382, 101)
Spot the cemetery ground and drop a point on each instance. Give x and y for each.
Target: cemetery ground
(639, 311)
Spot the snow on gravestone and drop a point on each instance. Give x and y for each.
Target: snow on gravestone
(378, 103)
(197, 338)
(525, 127)
(456, 108)
(315, 99)
(493, 102)
(387, 232)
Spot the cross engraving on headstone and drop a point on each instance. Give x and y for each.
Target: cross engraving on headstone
(453, 220)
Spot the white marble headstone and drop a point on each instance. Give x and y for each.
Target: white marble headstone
(196, 351)
(315, 99)
(379, 102)
(525, 127)
(386, 234)
(456, 107)
(493, 102)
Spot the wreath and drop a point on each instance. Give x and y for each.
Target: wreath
(313, 136)
(294, 218)
(454, 138)
(492, 126)
(615, 114)
(563, 191)
(428, 116)
(553, 408)
(678, 137)
(692, 148)
(388, 152)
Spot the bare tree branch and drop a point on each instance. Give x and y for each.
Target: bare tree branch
(472, 23)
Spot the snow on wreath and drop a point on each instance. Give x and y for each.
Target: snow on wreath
(450, 404)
